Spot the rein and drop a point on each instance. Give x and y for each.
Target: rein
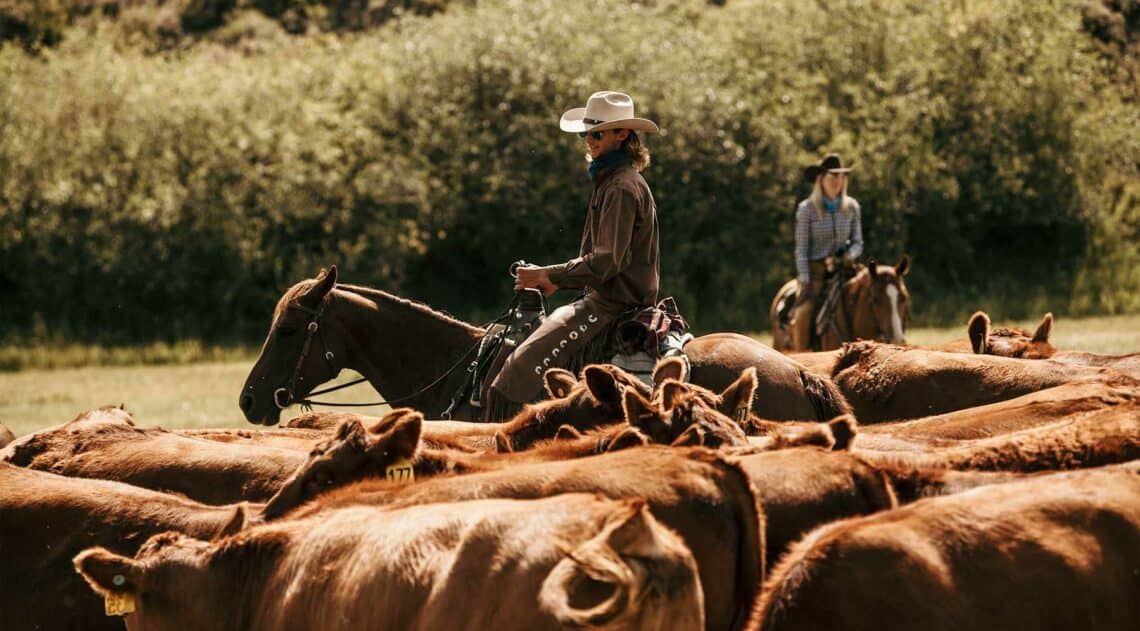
(313, 328)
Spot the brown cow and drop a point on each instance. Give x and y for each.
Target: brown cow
(1021, 343)
(1059, 551)
(297, 439)
(105, 444)
(802, 488)
(708, 500)
(1105, 436)
(46, 519)
(1003, 342)
(1035, 409)
(884, 382)
(567, 561)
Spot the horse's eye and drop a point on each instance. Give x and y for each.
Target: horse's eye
(285, 330)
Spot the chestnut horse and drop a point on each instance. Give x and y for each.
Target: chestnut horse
(417, 357)
(873, 306)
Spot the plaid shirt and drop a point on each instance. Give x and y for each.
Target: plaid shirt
(818, 237)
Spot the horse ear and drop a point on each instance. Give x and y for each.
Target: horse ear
(325, 283)
(978, 329)
(603, 385)
(1043, 330)
(903, 266)
(558, 382)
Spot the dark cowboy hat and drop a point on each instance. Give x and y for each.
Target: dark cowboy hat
(831, 163)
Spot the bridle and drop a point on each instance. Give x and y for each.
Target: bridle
(313, 328)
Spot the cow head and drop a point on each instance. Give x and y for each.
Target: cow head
(682, 417)
(352, 454)
(594, 401)
(147, 590)
(1010, 342)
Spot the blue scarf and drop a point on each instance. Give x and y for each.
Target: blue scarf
(604, 161)
(831, 205)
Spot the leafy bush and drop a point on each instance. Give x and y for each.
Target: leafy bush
(176, 195)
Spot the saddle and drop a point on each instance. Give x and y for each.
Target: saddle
(634, 342)
(825, 308)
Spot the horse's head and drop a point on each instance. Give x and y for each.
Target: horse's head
(1010, 342)
(889, 299)
(294, 358)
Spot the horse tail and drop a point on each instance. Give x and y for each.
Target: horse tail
(825, 397)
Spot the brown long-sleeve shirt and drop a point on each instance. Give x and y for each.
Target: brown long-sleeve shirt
(619, 260)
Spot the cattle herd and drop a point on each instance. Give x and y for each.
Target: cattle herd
(988, 484)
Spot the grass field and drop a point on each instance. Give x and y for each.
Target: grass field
(204, 394)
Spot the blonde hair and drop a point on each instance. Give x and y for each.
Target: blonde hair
(635, 148)
(817, 195)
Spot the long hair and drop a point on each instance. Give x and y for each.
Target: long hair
(635, 148)
(637, 151)
(817, 196)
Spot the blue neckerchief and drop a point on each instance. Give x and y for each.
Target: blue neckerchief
(831, 205)
(605, 160)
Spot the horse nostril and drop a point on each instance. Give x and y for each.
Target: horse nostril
(246, 402)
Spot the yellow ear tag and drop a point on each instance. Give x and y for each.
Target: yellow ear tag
(400, 471)
(119, 604)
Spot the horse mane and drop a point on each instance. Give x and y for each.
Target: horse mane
(377, 295)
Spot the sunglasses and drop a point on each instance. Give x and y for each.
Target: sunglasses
(596, 135)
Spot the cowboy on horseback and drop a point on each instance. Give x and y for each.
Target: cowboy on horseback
(619, 259)
(828, 231)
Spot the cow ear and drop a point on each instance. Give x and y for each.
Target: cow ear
(559, 382)
(843, 428)
(567, 432)
(390, 420)
(325, 283)
(644, 415)
(108, 573)
(402, 440)
(1043, 329)
(236, 522)
(693, 436)
(671, 391)
(978, 329)
(503, 443)
(348, 428)
(903, 266)
(594, 584)
(626, 438)
(669, 368)
(738, 395)
(602, 385)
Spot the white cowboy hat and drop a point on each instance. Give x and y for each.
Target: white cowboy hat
(605, 110)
